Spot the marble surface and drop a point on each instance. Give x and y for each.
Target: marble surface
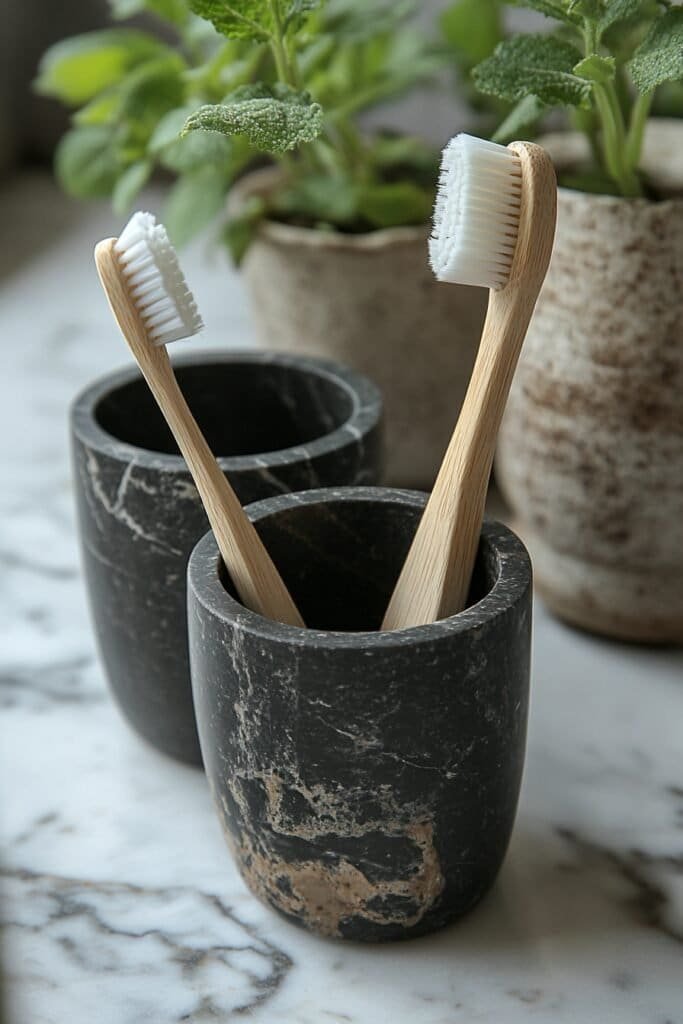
(121, 905)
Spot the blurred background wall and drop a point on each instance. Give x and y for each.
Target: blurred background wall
(29, 126)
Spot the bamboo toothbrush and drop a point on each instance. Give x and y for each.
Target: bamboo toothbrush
(494, 225)
(153, 306)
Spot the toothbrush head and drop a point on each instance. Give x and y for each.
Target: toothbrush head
(155, 282)
(476, 214)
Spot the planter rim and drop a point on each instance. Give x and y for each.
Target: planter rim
(513, 579)
(365, 397)
(382, 238)
(262, 179)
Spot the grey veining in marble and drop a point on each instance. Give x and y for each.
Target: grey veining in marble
(585, 922)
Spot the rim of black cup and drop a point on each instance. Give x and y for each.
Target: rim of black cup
(365, 414)
(513, 579)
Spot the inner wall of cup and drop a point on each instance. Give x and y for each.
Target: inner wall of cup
(341, 560)
(241, 408)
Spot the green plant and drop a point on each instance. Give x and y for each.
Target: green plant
(286, 78)
(605, 63)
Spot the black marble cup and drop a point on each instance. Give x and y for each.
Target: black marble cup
(279, 423)
(367, 782)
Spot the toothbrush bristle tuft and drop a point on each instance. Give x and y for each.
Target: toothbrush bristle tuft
(476, 214)
(155, 281)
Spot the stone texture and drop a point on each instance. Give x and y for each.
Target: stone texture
(371, 302)
(282, 423)
(367, 782)
(591, 449)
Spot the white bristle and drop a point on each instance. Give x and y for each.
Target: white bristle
(476, 214)
(156, 283)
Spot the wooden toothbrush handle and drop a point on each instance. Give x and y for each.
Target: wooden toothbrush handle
(251, 568)
(437, 573)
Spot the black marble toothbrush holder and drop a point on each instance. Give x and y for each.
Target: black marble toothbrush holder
(367, 781)
(277, 423)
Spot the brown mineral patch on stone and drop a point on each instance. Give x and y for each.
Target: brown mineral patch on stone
(324, 894)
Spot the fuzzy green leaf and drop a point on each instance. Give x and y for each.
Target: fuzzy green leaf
(77, 69)
(522, 116)
(534, 65)
(129, 184)
(619, 10)
(86, 162)
(193, 203)
(395, 205)
(241, 228)
(472, 28)
(659, 58)
(595, 68)
(273, 120)
(236, 19)
(559, 9)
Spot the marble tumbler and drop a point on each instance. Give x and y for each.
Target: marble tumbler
(278, 423)
(366, 782)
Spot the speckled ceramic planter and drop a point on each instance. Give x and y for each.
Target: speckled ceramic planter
(367, 782)
(371, 301)
(591, 449)
(279, 423)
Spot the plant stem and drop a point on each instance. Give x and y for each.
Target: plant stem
(587, 122)
(614, 140)
(280, 59)
(287, 72)
(634, 139)
(590, 37)
(614, 143)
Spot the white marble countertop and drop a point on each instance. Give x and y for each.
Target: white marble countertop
(121, 902)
